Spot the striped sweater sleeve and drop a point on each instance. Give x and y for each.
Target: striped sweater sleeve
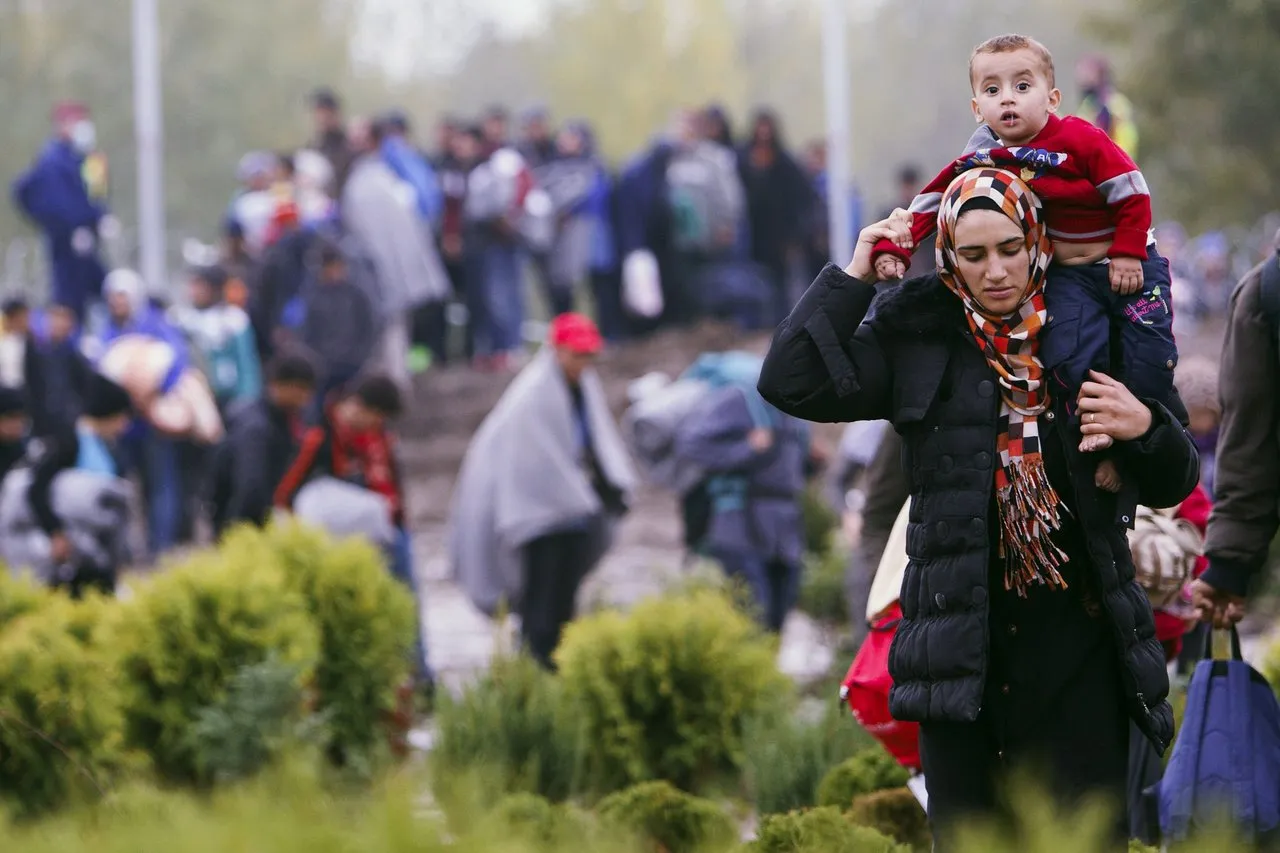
(924, 217)
(1121, 183)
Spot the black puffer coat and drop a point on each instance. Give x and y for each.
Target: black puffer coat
(915, 363)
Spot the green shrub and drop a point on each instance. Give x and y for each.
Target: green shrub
(788, 756)
(366, 621)
(19, 596)
(530, 816)
(186, 634)
(1040, 825)
(667, 819)
(664, 692)
(822, 593)
(821, 830)
(61, 725)
(871, 770)
(894, 812)
(258, 718)
(511, 726)
(820, 521)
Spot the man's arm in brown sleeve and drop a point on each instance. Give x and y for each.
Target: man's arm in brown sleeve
(1246, 508)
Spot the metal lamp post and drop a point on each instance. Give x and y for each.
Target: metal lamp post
(835, 73)
(149, 136)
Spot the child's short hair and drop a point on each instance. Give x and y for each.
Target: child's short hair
(214, 275)
(1010, 42)
(14, 306)
(328, 252)
(294, 367)
(380, 393)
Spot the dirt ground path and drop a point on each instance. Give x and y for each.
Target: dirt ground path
(647, 557)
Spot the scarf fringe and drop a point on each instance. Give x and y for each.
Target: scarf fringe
(1030, 510)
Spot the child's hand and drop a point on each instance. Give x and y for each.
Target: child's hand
(889, 268)
(1126, 275)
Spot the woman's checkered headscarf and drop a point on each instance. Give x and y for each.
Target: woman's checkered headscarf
(1029, 507)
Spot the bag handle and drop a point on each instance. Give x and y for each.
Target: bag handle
(1235, 645)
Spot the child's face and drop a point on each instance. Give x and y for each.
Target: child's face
(291, 396)
(61, 324)
(1012, 95)
(18, 323)
(201, 293)
(333, 272)
(113, 427)
(120, 305)
(359, 417)
(1202, 421)
(12, 427)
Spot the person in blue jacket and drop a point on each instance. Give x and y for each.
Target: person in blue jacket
(63, 194)
(411, 166)
(151, 452)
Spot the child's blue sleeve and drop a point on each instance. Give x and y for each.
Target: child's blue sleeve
(248, 367)
(294, 314)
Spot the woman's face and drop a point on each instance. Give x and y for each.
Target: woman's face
(993, 261)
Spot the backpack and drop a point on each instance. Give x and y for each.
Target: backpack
(1226, 760)
(650, 424)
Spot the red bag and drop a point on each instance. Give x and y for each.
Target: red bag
(866, 690)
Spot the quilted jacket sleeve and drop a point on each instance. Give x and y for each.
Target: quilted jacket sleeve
(825, 364)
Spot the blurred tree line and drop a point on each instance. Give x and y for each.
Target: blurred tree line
(236, 76)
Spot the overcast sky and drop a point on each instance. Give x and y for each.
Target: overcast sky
(400, 34)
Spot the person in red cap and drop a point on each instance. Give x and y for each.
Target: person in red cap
(577, 342)
(543, 483)
(63, 194)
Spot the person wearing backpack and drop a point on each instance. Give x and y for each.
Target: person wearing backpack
(754, 525)
(1246, 511)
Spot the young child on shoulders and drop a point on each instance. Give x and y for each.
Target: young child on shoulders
(1107, 284)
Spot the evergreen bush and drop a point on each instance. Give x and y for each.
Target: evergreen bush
(665, 691)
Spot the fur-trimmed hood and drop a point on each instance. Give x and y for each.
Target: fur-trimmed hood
(919, 305)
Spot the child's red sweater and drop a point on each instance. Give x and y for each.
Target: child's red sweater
(1090, 189)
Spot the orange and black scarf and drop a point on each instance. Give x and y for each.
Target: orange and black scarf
(1029, 507)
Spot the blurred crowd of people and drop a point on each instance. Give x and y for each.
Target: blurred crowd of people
(368, 254)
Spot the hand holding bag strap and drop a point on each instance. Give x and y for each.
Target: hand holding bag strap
(1236, 654)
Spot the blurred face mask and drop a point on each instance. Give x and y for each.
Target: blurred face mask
(84, 136)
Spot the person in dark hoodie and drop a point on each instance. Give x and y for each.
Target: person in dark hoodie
(88, 445)
(13, 430)
(262, 439)
(779, 198)
(57, 399)
(331, 135)
(338, 323)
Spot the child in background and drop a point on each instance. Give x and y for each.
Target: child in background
(57, 400)
(222, 338)
(1106, 279)
(354, 443)
(338, 322)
